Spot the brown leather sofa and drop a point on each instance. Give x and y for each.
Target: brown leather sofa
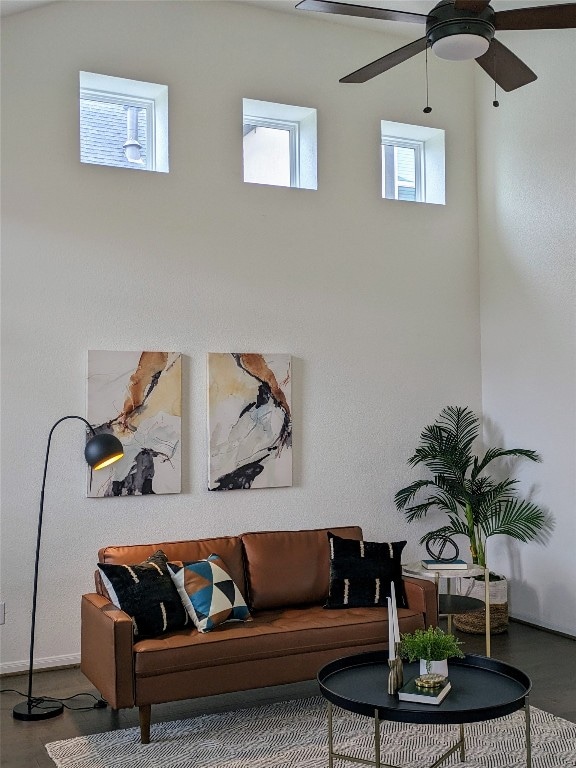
(284, 577)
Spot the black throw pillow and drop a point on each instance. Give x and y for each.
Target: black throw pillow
(147, 593)
(361, 573)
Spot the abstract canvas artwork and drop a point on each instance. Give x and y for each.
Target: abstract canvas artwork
(137, 396)
(249, 420)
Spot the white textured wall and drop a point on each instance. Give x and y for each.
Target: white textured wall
(527, 192)
(377, 301)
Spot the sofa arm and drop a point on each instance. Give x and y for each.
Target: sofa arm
(421, 596)
(107, 659)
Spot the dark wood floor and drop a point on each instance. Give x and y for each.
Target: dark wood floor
(549, 659)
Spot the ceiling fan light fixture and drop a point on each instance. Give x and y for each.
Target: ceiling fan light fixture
(460, 47)
(458, 39)
(458, 30)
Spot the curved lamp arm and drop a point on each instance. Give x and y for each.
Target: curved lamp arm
(102, 449)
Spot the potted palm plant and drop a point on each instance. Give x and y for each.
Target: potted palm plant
(477, 505)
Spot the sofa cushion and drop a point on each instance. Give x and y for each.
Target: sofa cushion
(289, 567)
(271, 634)
(146, 593)
(228, 547)
(208, 592)
(361, 573)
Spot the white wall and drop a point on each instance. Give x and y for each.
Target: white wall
(376, 300)
(527, 190)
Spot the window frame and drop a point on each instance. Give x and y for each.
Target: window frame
(302, 123)
(151, 97)
(419, 147)
(149, 105)
(433, 178)
(293, 128)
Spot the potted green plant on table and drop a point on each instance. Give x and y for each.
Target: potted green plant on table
(432, 647)
(477, 505)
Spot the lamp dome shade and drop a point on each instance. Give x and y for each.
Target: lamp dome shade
(103, 449)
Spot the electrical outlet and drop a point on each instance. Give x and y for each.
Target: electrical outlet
(2, 613)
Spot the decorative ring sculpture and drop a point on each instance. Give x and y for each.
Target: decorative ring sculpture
(436, 546)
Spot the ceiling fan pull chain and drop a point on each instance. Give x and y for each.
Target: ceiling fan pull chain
(495, 103)
(427, 109)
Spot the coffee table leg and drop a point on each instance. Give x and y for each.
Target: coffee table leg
(376, 739)
(330, 741)
(528, 742)
(458, 745)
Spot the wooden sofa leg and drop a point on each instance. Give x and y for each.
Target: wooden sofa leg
(145, 714)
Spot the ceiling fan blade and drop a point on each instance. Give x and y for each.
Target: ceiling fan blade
(471, 5)
(505, 67)
(363, 11)
(562, 16)
(386, 62)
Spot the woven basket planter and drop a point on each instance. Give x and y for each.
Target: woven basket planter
(475, 622)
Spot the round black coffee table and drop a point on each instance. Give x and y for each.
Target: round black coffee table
(482, 689)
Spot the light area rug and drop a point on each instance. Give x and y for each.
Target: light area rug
(293, 734)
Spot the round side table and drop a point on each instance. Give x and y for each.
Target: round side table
(449, 604)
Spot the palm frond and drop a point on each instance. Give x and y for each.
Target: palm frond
(435, 435)
(443, 502)
(439, 501)
(456, 528)
(459, 525)
(444, 499)
(439, 436)
(405, 495)
(497, 453)
(433, 442)
(446, 503)
(483, 495)
(460, 422)
(480, 485)
(418, 511)
(448, 461)
(456, 488)
(517, 518)
(445, 445)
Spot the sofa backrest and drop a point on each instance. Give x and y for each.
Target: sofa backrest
(289, 567)
(228, 547)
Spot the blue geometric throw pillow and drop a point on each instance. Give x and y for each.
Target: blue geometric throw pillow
(208, 592)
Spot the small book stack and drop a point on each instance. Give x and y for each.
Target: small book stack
(411, 692)
(445, 565)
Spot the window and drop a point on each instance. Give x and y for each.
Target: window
(279, 144)
(123, 123)
(412, 163)
(270, 152)
(402, 169)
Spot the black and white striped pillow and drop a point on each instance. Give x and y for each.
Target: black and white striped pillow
(147, 594)
(361, 573)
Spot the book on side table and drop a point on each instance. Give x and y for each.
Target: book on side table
(411, 692)
(445, 565)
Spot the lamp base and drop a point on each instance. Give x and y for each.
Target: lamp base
(41, 710)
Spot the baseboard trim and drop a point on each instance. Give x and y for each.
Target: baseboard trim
(516, 620)
(51, 662)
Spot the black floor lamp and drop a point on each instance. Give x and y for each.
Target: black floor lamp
(101, 449)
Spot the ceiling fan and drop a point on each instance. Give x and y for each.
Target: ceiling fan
(458, 30)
